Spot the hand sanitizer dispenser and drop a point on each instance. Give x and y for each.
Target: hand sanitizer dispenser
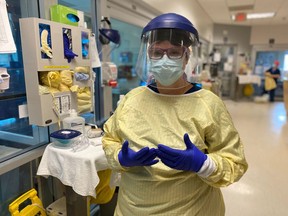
(74, 122)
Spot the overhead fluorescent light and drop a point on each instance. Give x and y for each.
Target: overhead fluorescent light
(244, 16)
(260, 15)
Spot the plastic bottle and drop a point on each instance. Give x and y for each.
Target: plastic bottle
(74, 122)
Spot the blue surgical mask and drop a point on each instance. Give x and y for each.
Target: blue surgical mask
(165, 70)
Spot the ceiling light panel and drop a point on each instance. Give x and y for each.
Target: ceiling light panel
(260, 15)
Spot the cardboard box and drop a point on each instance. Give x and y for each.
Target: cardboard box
(66, 15)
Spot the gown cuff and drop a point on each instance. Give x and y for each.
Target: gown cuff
(207, 168)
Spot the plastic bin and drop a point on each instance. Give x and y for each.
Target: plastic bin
(57, 208)
(33, 209)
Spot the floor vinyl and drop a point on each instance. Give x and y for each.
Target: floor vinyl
(263, 190)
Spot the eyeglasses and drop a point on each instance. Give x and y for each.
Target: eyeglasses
(172, 53)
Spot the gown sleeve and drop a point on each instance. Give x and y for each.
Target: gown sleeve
(111, 141)
(225, 148)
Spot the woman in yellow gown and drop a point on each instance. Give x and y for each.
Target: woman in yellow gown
(174, 143)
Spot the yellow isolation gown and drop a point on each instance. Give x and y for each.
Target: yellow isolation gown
(146, 118)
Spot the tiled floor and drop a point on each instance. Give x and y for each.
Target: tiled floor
(263, 190)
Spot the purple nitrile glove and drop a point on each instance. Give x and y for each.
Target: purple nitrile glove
(67, 51)
(190, 159)
(144, 157)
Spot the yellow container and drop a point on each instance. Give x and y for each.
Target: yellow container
(35, 208)
(104, 192)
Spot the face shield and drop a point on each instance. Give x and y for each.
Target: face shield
(168, 57)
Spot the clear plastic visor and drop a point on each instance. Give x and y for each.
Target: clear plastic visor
(167, 58)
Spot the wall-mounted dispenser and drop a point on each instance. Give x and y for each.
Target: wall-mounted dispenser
(61, 83)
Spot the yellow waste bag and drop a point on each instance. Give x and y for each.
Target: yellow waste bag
(269, 83)
(104, 192)
(248, 90)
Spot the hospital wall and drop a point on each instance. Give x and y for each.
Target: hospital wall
(236, 35)
(262, 34)
(249, 40)
(193, 11)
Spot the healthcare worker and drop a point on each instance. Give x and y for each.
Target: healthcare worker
(274, 73)
(173, 142)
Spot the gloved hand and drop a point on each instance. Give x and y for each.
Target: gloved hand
(129, 158)
(190, 159)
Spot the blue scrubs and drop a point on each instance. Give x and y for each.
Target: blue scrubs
(272, 92)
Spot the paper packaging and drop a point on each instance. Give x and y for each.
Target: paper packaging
(7, 44)
(4, 79)
(58, 13)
